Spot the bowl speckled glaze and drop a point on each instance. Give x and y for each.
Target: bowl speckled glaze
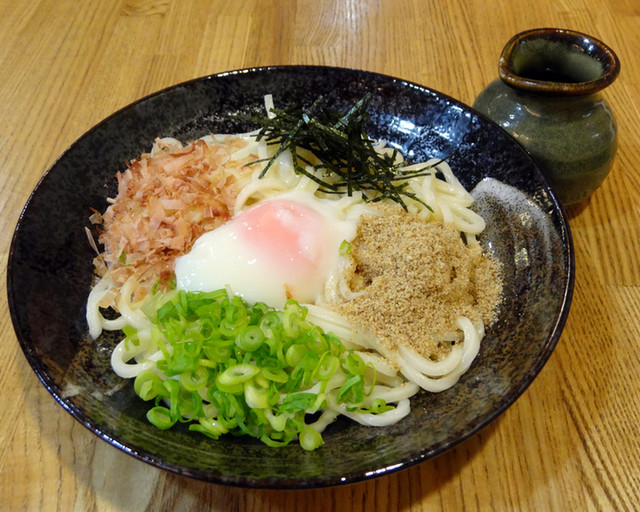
(50, 273)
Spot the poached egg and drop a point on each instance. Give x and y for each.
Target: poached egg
(280, 248)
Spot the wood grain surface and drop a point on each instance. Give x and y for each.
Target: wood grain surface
(571, 442)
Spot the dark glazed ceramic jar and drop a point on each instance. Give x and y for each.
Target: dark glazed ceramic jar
(548, 98)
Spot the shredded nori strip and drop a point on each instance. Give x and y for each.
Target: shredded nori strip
(347, 157)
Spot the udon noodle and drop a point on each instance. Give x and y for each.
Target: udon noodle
(400, 368)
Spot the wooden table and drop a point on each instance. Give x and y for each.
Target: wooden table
(571, 442)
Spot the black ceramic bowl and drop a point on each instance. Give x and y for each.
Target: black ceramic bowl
(50, 273)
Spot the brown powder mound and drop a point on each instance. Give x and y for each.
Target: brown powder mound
(417, 278)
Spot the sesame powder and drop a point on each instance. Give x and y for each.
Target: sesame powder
(416, 277)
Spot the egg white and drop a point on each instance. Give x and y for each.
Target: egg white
(226, 256)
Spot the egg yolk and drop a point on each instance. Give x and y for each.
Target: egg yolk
(288, 235)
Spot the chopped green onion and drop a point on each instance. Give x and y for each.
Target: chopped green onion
(310, 439)
(228, 367)
(295, 354)
(352, 390)
(209, 427)
(237, 374)
(148, 385)
(194, 380)
(345, 248)
(160, 417)
(256, 398)
(250, 338)
(298, 402)
(275, 374)
(327, 366)
(354, 364)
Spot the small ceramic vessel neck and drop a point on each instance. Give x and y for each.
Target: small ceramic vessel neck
(557, 62)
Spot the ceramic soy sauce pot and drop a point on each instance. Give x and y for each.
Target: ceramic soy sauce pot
(548, 98)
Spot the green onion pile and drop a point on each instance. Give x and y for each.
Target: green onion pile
(228, 367)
